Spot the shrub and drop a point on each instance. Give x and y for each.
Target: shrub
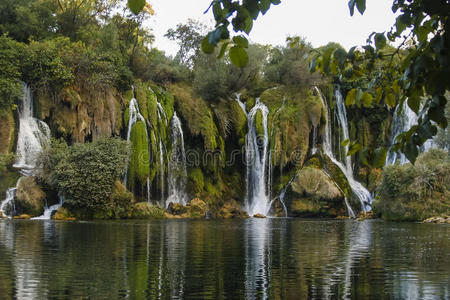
(85, 174)
(414, 193)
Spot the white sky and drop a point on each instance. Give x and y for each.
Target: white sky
(319, 21)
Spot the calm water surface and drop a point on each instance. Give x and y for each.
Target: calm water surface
(236, 259)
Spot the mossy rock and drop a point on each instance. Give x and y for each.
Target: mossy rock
(176, 208)
(63, 214)
(138, 170)
(22, 217)
(314, 194)
(197, 208)
(231, 210)
(29, 197)
(196, 181)
(144, 210)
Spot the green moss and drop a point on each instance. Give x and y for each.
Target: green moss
(250, 103)
(138, 171)
(196, 181)
(126, 117)
(141, 90)
(144, 210)
(238, 118)
(152, 108)
(259, 125)
(8, 175)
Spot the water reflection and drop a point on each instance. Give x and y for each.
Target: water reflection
(251, 259)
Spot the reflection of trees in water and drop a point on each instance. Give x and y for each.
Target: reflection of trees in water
(255, 259)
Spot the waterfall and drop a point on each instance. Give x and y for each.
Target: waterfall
(358, 189)
(7, 207)
(33, 135)
(177, 173)
(48, 211)
(404, 118)
(257, 154)
(161, 116)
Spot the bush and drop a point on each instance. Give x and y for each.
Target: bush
(85, 174)
(415, 193)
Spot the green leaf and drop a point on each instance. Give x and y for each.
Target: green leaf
(238, 56)
(361, 5)
(340, 56)
(353, 149)
(136, 6)
(380, 41)
(264, 6)
(367, 99)
(389, 97)
(351, 5)
(275, 2)
(240, 41)
(379, 94)
(223, 49)
(218, 12)
(206, 46)
(414, 104)
(411, 151)
(345, 142)
(351, 97)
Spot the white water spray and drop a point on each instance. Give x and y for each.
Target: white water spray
(177, 173)
(257, 159)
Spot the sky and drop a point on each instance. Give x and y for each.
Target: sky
(319, 21)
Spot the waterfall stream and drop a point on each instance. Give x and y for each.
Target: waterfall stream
(135, 116)
(358, 189)
(33, 135)
(177, 173)
(257, 200)
(404, 118)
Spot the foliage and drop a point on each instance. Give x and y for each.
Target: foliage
(289, 66)
(215, 79)
(10, 73)
(414, 193)
(84, 174)
(188, 36)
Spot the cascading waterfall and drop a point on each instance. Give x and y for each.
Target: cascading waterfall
(48, 211)
(177, 173)
(257, 159)
(135, 116)
(33, 135)
(357, 188)
(404, 118)
(7, 207)
(161, 116)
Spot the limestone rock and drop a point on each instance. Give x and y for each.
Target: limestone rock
(438, 220)
(231, 210)
(176, 209)
(197, 208)
(63, 214)
(22, 217)
(314, 194)
(259, 216)
(29, 197)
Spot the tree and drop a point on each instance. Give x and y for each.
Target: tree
(422, 73)
(188, 36)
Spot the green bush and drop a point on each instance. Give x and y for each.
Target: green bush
(85, 174)
(415, 192)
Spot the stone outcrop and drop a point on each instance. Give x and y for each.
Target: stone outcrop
(29, 197)
(314, 194)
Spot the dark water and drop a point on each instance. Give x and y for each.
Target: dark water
(238, 259)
